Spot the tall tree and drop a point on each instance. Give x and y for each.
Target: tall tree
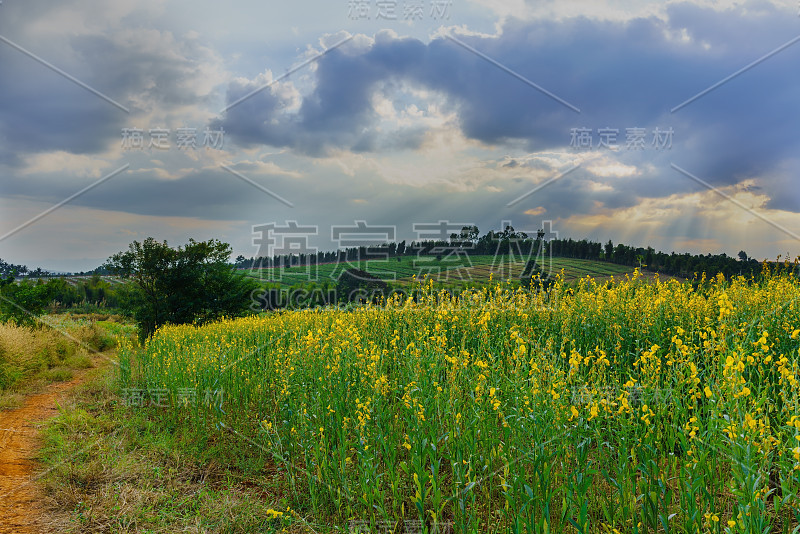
(190, 284)
(609, 250)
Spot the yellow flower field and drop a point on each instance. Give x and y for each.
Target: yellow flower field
(626, 406)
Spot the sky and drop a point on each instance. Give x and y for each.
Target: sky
(277, 125)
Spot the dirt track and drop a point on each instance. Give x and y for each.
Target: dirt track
(20, 511)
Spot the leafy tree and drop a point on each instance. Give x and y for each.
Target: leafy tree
(468, 234)
(190, 284)
(63, 294)
(8, 268)
(38, 273)
(648, 259)
(609, 250)
(22, 302)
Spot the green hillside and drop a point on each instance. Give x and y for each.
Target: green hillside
(445, 271)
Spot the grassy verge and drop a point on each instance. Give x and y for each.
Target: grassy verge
(32, 358)
(117, 468)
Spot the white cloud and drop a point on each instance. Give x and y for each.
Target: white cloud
(78, 165)
(617, 10)
(607, 168)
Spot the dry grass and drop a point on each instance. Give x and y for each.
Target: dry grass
(32, 357)
(24, 351)
(113, 470)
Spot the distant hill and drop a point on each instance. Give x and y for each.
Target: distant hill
(444, 271)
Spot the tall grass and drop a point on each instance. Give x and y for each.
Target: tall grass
(625, 406)
(47, 353)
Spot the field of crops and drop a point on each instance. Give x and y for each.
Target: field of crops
(632, 407)
(454, 268)
(504, 267)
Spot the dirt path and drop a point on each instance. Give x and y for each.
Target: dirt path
(20, 511)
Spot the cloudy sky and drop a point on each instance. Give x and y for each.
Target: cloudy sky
(665, 123)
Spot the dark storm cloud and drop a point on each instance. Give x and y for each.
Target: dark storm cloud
(42, 111)
(620, 74)
(149, 68)
(141, 70)
(338, 113)
(206, 194)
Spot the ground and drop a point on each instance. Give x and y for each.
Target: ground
(21, 504)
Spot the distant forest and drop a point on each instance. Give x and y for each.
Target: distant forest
(509, 241)
(468, 242)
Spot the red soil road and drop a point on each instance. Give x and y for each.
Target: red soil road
(20, 509)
